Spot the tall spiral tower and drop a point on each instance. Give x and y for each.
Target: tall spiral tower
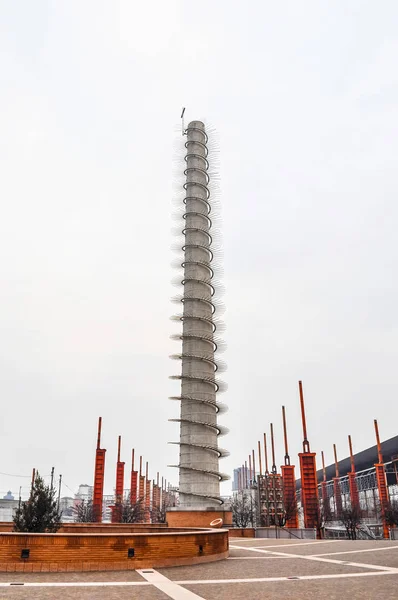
(199, 475)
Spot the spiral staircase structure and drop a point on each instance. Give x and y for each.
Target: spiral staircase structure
(199, 475)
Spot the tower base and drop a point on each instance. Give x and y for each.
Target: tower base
(179, 517)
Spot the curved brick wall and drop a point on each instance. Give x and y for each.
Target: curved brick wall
(109, 551)
(8, 526)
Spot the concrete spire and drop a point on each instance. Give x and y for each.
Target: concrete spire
(199, 480)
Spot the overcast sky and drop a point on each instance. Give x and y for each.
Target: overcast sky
(304, 98)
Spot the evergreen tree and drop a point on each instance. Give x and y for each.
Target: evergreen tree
(40, 513)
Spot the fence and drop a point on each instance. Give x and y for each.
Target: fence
(285, 534)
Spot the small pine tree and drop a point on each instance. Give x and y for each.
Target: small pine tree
(40, 513)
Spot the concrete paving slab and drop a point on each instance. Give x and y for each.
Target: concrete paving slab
(369, 588)
(320, 548)
(387, 558)
(234, 569)
(68, 577)
(87, 593)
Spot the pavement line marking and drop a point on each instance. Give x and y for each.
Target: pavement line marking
(357, 551)
(168, 587)
(298, 544)
(319, 559)
(72, 583)
(254, 557)
(200, 581)
(299, 578)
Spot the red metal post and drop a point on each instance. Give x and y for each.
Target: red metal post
(273, 449)
(289, 483)
(266, 454)
(260, 466)
(141, 491)
(309, 482)
(133, 482)
(325, 499)
(99, 473)
(147, 496)
(381, 483)
(254, 466)
(119, 488)
(352, 478)
(250, 470)
(336, 487)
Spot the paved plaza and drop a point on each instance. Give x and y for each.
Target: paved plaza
(256, 569)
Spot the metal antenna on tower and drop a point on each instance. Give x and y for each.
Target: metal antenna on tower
(183, 132)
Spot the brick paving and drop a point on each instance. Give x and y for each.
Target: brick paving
(89, 593)
(314, 576)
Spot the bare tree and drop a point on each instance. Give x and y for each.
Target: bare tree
(324, 515)
(132, 513)
(288, 512)
(242, 510)
(158, 514)
(84, 512)
(351, 517)
(391, 512)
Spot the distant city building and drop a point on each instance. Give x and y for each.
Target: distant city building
(85, 492)
(67, 506)
(239, 475)
(8, 505)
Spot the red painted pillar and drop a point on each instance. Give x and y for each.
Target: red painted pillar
(98, 477)
(133, 482)
(352, 479)
(336, 487)
(309, 482)
(289, 483)
(147, 496)
(117, 509)
(141, 491)
(381, 483)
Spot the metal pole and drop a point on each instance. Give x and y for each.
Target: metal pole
(266, 454)
(52, 478)
(336, 462)
(306, 444)
(323, 466)
(33, 481)
(287, 457)
(250, 470)
(273, 449)
(259, 460)
(379, 452)
(351, 455)
(254, 467)
(99, 432)
(59, 492)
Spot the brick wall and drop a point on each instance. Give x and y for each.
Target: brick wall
(247, 532)
(197, 518)
(96, 552)
(98, 527)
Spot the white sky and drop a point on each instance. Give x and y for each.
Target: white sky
(304, 97)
